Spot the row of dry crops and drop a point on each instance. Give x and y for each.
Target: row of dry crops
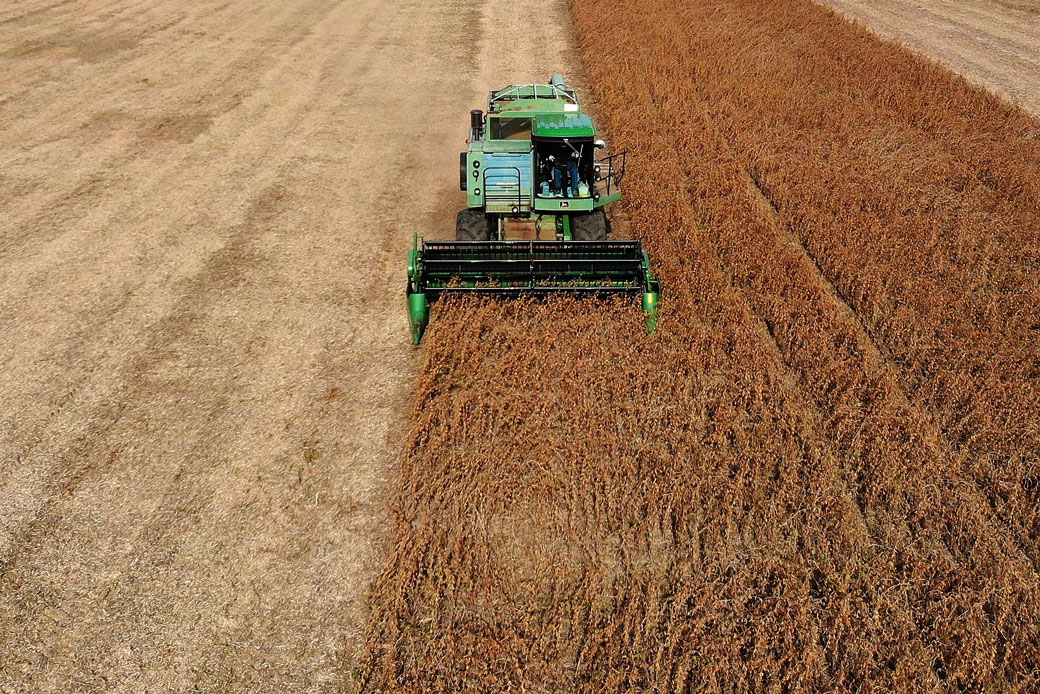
(821, 473)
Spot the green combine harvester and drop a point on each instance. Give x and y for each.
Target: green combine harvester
(534, 224)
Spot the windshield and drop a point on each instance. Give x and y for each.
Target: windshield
(510, 128)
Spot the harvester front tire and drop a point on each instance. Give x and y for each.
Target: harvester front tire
(472, 225)
(589, 227)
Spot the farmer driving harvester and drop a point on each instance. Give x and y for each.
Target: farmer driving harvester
(565, 163)
(570, 163)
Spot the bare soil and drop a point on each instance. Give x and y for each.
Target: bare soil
(205, 366)
(993, 43)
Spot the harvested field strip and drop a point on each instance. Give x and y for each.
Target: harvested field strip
(758, 497)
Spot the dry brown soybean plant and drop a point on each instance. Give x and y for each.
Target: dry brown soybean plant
(820, 473)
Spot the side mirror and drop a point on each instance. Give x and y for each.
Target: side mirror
(600, 144)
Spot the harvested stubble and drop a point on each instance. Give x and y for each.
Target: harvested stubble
(774, 492)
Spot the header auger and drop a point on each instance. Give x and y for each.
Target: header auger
(534, 224)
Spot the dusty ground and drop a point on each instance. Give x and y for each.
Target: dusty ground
(994, 43)
(204, 359)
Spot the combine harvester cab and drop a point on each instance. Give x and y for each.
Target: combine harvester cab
(535, 223)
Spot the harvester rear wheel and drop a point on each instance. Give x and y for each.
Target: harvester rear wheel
(590, 227)
(472, 225)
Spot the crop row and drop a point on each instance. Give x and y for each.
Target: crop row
(772, 492)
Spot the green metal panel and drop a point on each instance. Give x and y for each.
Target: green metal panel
(419, 312)
(563, 125)
(563, 204)
(475, 161)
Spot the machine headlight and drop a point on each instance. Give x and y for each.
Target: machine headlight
(476, 191)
